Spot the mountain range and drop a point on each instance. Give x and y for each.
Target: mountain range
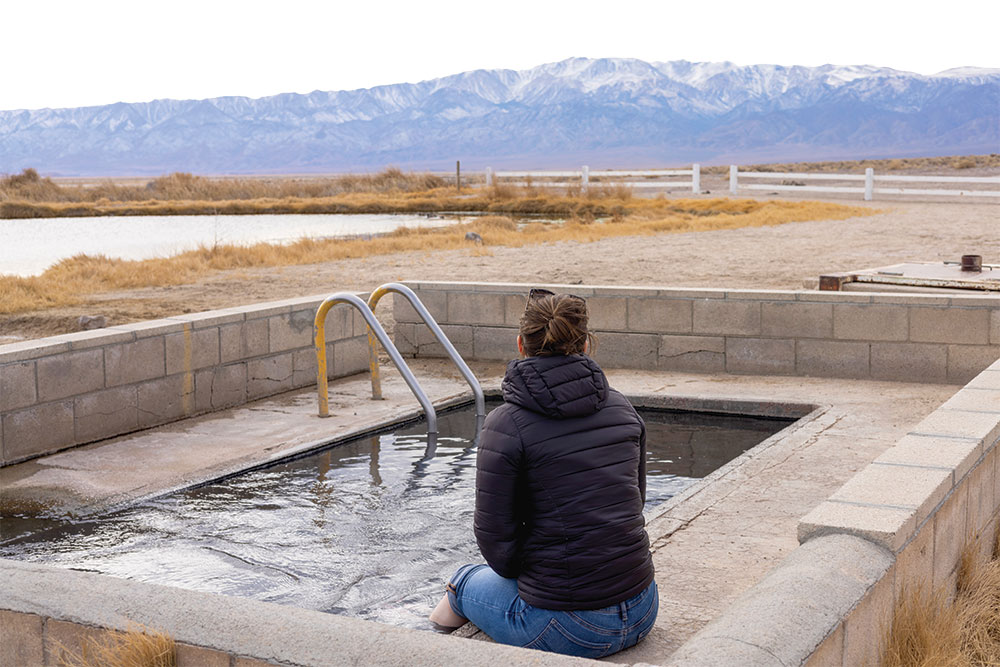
(608, 112)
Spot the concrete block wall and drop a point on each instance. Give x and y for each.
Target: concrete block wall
(901, 522)
(68, 390)
(904, 337)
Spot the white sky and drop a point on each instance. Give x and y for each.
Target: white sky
(64, 53)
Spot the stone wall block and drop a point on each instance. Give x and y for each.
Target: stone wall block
(135, 362)
(606, 313)
(165, 399)
(950, 533)
(513, 305)
(20, 639)
(885, 526)
(436, 304)
(893, 485)
(339, 322)
(192, 349)
(64, 639)
(949, 325)
(404, 336)
(698, 354)
(659, 315)
(982, 493)
(196, 656)
(722, 316)
(870, 323)
(242, 341)
(269, 375)
(70, 374)
(909, 362)
(482, 308)
(983, 427)
(304, 368)
(102, 414)
(955, 454)
(967, 361)
(461, 338)
(995, 326)
(626, 350)
(221, 387)
(764, 356)
(976, 400)
(350, 356)
(824, 358)
(797, 320)
(915, 562)
(831, 652)
(17, 385)
(289, 331)
(37, 430)
(864, 626)
(494, 343)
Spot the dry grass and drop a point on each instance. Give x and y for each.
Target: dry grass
(961, 629)
(69, 280)
(916, 164)
(134, 648)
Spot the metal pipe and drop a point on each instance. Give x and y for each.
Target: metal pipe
(319, 341)
(435, 329)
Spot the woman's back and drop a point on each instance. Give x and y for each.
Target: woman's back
(561, 484)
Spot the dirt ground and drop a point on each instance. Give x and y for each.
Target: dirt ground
(790, 256)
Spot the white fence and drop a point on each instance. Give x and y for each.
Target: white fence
(866, 183)
(584, 175)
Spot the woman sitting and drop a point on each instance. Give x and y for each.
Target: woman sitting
(560, 487)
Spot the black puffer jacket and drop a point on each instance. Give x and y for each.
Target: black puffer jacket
(560, 486)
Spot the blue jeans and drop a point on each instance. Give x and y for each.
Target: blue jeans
(481, 595)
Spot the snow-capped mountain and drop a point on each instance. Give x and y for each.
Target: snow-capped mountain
(604, 112)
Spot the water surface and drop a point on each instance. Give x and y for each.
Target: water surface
(29, 246)
(370, 528)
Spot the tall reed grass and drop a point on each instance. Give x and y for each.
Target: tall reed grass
(133, 648)
(941, 628)
(71, 279)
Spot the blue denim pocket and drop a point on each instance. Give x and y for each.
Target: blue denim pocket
(557, 639)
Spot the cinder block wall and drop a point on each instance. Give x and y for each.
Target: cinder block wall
(905, 337)
(901, 522)
(68, 390)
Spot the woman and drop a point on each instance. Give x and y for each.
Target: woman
(560, 488)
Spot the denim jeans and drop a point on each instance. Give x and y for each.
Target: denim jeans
(491, 602)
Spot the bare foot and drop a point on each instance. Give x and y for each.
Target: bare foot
(445, 616)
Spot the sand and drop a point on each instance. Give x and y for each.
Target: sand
(790, 256)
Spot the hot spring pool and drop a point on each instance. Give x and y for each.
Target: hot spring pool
(369, 528)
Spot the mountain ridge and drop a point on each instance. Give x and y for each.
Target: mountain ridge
(599, 110)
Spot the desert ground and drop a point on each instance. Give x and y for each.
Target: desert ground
(789, 256)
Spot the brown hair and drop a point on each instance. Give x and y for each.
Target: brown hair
(554, 324)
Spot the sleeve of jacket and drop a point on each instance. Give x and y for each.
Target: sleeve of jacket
(497, 520)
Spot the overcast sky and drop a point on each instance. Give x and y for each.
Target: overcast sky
(67, 53)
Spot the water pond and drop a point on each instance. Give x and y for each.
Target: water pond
(369, 528)
(29, 246)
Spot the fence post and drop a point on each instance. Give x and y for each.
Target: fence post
(869, 183)
(733, 184)
(584, 178)
(695, 178)
(489, 176)
(458, 176)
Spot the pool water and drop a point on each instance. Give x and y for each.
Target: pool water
(369, 528)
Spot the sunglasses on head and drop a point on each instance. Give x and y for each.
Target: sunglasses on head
(538, 293)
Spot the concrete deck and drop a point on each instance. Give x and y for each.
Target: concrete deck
(710, 544)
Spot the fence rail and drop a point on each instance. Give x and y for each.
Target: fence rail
(584, 177)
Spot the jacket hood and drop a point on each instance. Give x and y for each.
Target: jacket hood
(559, 387)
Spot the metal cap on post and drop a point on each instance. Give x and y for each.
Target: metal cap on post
(695, 178)
(869, 183)
(733, 182)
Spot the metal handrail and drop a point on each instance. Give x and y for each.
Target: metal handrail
(435, 329)
(319, 340)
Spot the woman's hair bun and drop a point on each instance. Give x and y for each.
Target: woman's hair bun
(554, 324)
